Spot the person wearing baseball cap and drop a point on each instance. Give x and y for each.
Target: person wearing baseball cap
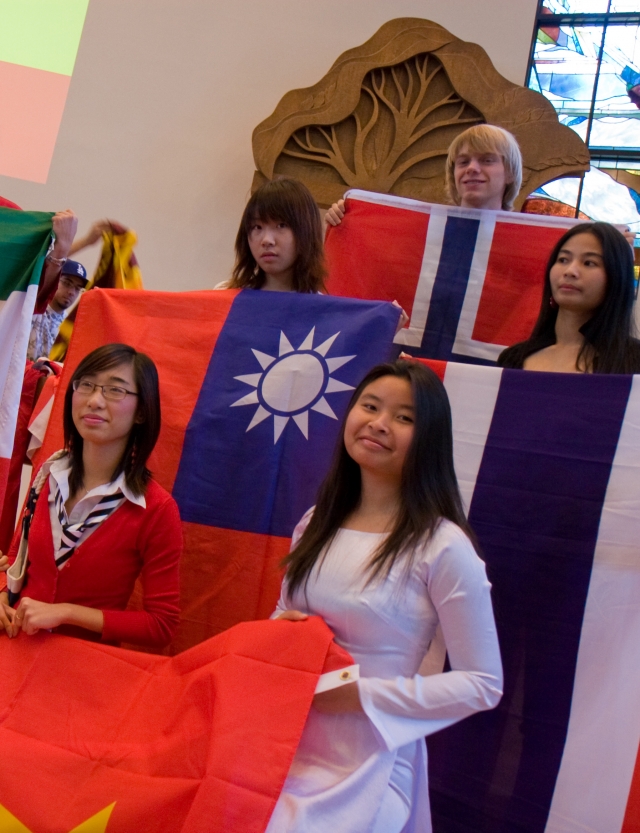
(44, 327)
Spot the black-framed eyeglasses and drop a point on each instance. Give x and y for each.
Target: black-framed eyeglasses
(85, 388)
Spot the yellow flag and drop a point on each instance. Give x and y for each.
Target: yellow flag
(117, 269)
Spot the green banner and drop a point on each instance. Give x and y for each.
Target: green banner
(24, 240)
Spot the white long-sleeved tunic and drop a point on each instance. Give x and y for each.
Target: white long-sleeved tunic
(347, 764)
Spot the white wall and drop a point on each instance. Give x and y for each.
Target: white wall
(166, 93)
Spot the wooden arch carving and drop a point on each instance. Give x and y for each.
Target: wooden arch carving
(384, 115)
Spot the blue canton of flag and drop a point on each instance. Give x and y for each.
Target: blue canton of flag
(265, 424)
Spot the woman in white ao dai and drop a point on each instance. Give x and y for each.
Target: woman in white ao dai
(361, 763)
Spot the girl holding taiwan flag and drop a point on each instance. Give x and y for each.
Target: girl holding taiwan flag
(95, 518)
(279, 243)
(386, 559)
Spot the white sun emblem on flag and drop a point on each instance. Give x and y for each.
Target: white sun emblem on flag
(293, 383)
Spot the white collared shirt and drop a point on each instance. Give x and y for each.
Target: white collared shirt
(59, 473)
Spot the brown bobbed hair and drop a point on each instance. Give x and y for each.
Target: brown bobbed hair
(283, 200)
(428, 490)
(487, 138)
(145, 431)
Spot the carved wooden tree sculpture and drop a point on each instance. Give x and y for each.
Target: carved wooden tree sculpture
(384, 115)
(398, 123)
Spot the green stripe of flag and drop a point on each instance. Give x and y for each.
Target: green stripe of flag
(43, 34)
(24, 240)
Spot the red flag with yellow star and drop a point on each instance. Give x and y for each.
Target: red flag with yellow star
(96, 738)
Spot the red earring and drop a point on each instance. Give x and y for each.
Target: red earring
(552, 302)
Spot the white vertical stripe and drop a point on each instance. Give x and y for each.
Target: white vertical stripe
(472, 393)
(464, 344)
(593, 784)
(15, 326)
(412, 335)
(38, 427)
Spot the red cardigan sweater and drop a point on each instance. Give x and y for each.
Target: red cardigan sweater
(102, 571)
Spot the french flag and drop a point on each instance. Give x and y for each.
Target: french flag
(549, 468)
(470, 280)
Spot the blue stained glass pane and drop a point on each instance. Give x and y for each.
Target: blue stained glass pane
(565, 65)
(616, 112)
(564, 70)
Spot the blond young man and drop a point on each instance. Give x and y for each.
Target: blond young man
(483, 170)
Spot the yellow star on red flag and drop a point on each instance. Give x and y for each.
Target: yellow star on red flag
(96, 824)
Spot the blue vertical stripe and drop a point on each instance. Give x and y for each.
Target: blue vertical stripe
(536, 510)
(449, 289)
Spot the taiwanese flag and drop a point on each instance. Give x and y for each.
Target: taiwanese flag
(470, 280)
(253, 386)
(549, 468)
(104, 739)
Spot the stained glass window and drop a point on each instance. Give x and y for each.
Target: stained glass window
(586, 61)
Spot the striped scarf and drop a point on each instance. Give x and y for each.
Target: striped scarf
(72, 533)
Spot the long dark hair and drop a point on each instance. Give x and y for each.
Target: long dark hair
(428, 489)
(145, 431)
(609, 346)
(287, 201)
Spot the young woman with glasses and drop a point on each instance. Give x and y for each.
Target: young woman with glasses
(100, 520)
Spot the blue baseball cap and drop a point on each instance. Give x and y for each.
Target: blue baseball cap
(72, 267)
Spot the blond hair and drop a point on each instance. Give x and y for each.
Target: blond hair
(487, 138)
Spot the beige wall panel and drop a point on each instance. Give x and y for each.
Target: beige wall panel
(165, 94)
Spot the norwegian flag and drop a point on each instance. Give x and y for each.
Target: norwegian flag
(470, 280)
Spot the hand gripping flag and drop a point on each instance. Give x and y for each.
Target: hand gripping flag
(24, 240)
(104, 739)
(549, 467)
(470, 280)
(253, 385)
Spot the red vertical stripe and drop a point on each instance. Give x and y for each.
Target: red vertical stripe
(631, 822)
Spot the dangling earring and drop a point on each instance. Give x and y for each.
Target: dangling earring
(553, 303)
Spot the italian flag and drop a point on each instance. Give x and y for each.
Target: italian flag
(25, 237)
